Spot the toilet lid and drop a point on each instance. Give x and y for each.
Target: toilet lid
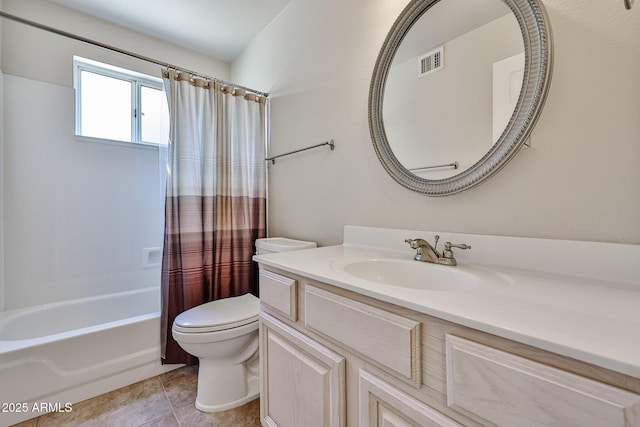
(219, 315)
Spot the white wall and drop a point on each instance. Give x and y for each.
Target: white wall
(580, 179)
(77, 214)
(39, 55)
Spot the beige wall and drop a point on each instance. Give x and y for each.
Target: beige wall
(580, 180)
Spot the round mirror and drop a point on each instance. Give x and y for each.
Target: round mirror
(457, 89)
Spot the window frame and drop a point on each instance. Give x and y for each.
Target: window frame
(137, 80)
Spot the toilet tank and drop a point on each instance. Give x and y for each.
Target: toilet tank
(270, 245)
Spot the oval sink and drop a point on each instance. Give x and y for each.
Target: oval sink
(409, 274)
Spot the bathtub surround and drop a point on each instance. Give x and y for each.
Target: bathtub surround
(83, 210)
(578, 181)
(216, 198)
(77, 213)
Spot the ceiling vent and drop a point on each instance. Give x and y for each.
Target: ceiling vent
(431, 61)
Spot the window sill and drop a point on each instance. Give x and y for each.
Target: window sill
(136, 145)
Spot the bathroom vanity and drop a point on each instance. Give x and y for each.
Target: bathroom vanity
(361, 335)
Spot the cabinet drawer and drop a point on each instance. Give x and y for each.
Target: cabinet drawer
(391, 340)
(510, 390)
(279, 292)
(381, 404)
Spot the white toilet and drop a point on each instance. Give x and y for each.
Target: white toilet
(223, 335)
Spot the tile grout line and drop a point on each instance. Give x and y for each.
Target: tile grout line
(173, 411)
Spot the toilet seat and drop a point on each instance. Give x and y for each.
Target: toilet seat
(219, 315)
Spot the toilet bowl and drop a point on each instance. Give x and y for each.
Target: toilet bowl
(223, 335)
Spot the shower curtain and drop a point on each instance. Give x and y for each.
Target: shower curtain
(215, 198)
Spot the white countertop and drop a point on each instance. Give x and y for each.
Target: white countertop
(594, 320)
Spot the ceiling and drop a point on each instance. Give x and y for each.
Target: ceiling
(218, 28)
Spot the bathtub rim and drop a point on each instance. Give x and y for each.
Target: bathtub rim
(8, 346)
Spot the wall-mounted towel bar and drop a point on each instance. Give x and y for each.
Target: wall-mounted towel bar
(448, 165)
(329, 143)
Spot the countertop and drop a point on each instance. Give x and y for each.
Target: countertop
(589, 319)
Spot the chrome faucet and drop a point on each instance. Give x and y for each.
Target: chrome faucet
(427, 253)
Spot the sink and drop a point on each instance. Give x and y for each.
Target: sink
(408, 274)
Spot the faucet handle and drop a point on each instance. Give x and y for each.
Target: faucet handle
(449, 245)
(447, 254)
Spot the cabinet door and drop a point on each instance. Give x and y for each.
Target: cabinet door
(383, 405)
(302, 382)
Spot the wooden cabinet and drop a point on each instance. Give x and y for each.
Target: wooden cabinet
(382, 405)
(331, 357)
(302, 381)
(279, 292)
(390, 340)
(509, 390)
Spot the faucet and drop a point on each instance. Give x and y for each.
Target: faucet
(427, 253)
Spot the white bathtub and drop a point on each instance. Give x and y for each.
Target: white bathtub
(70, 351)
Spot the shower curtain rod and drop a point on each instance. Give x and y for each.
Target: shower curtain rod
(121, 51)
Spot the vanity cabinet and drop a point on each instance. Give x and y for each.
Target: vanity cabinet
(331, 357)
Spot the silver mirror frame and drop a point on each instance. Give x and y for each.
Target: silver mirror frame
(536, 35)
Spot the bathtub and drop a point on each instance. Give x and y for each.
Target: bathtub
(62, 353)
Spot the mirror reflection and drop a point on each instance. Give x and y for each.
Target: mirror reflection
(452, 86)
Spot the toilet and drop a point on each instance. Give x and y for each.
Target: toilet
(223, 335)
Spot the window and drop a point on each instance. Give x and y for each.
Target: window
(117, 104)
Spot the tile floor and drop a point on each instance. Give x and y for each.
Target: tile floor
(163, 401)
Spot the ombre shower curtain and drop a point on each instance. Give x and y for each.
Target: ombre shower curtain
(215, 199)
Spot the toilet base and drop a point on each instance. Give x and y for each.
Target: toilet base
(253, 392)
(226, 386)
